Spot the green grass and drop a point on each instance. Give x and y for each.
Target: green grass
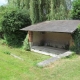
(14, 69)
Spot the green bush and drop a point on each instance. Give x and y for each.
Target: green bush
(26, 45)
(12, 23)
(2, 11)
(76, 37)
(75, 14)
(76, 9)
(2, 41)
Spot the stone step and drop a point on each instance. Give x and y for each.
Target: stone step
(53, 59)
(47, 62)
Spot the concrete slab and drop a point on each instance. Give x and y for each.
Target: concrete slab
(48, 50)
(47, 62)
(44, 52)
(53, 59)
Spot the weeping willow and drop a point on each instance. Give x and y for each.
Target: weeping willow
(52, 12)
(41, 10)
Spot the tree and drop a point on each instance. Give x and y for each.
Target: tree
(32, 11)
(52, 10)
(26, 45)
(41, 10)
(2, 12)
(11, 25)
(76, 9)
(76, 37)
(75, 14)
(21, 4)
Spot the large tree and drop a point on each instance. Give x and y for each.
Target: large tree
(41, 10)
(75, 14)
(76, 9)
(2, 12)
(12, 23)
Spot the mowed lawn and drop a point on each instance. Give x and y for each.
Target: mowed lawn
(14, 69)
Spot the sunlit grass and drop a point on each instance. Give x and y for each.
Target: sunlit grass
(14, 69)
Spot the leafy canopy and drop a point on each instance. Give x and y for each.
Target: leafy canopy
(76, 9)
(12, 23)
(76, 37)
(75, 14)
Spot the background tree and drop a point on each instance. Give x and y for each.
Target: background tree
(75, 14)
(41, 10)
(2, 12)
(76, 9)
(52, 10)
(76, 38)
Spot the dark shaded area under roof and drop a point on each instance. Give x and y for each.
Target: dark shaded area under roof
(65, 26)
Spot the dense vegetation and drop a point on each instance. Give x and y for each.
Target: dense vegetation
(12, 23)
(75, 14)
(41, 10)
(76, 37)
(76, 10)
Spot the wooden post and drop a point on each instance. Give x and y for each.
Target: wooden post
(30, 38)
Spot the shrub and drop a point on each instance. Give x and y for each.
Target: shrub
(75, 14)
(76, 37)
(11, 25)
(26, 45)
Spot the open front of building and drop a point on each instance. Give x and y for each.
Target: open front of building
(50, 39)
(52, 36)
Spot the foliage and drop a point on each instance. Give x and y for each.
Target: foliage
(13, 21)
(52, 10)
(2, 41)
(42, 10)
(20, 4)
(76, 9)
(59, 14)
(2, 12)
(76, 37)
(26, 45)
(36, 11)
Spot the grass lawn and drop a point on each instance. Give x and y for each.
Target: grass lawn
(14, 69)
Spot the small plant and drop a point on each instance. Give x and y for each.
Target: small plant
(3, 42)
(26, 45)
